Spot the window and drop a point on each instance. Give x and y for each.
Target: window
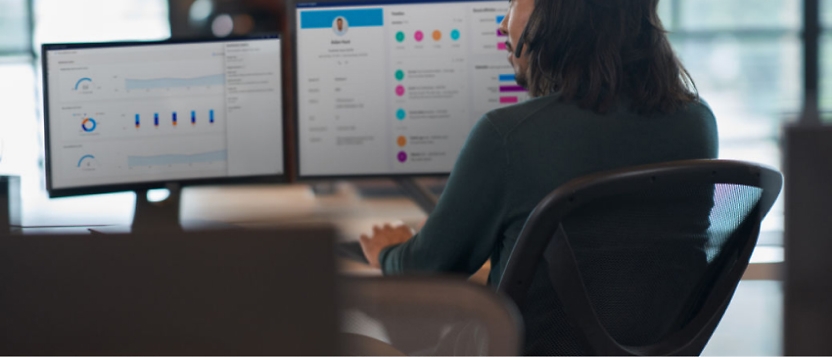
(746, 59)
(17, 89)
(826, 14)
(826, 60)
(100, 20)
(710, 15)
(18, 129)
(15, 28)
(21, 134)
(826, 74)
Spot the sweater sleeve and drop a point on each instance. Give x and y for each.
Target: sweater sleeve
(462, 232)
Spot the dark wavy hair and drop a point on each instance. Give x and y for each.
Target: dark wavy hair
(593, 52)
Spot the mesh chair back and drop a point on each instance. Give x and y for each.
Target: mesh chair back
(428, 317)
(638, 261)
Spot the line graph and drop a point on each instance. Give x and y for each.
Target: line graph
(171, 82)
(177, 159)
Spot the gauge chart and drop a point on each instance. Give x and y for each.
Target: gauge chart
(87, 162)
(83, 84)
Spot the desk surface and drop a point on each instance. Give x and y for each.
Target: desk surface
(263, 206)
(259, 206)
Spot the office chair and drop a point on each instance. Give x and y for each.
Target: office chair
(427, 317)
(639, 261)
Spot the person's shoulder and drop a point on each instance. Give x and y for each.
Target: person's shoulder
(698, 108)
(506, 119)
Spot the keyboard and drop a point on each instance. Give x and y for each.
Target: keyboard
(351, 251)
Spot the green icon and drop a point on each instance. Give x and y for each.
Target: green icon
(400, 36)
(399, 75)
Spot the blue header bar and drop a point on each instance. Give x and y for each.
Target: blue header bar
(318, 3)
(355, 18)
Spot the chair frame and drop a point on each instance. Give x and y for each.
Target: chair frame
(503, 318)
(540, 231)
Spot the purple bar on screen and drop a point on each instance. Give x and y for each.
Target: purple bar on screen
(504, 89)
(500, 33)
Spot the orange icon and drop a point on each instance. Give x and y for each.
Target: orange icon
(402, 141)
(437, 35)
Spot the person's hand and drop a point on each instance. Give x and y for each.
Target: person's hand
(383, 237)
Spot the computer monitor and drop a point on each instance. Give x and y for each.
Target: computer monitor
(128, 116)
(393, 87)
(136, 116)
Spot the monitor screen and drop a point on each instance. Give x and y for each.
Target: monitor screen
(394, 87)
(128, 114)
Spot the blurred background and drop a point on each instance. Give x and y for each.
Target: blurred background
(746, 56)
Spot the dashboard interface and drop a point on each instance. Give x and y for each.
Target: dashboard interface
(131, 113)
(394, 88)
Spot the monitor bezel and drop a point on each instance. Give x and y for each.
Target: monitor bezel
(292, 37)
(53, 192)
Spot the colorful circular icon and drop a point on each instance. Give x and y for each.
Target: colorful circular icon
(419, 36)
(88, 125)
(400, 36)
(455, 35)
(400, 91)
(437, 35)
(399, 75)
(402, 157)
(401, 114)
(402, 141)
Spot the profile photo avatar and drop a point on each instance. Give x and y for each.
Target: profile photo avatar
(340, 25)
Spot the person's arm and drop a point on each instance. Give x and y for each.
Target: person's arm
(462, 232)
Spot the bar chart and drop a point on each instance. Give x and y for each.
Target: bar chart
(195, 115)
(501, 45)
(494, 86)
(510, 91)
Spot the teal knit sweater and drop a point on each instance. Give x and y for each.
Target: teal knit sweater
(517, 155)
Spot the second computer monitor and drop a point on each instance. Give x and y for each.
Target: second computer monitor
(395, 87)
(127, 116)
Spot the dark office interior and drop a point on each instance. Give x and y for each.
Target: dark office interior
(763, 67)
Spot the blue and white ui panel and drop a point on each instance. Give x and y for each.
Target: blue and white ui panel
(165, 112)
(394, 87)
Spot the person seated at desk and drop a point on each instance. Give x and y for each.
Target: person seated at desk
(608, 92)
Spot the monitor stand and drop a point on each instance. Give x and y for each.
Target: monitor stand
(419, 193)
(162, 216)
